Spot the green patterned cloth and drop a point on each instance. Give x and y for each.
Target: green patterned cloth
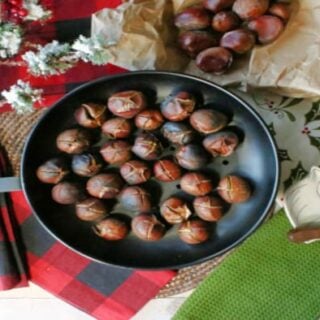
(266, 278)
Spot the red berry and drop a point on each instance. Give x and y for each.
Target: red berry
(23, 12)
(14, 10)
(15, 2)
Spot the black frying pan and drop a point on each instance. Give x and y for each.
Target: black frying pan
(255, 159)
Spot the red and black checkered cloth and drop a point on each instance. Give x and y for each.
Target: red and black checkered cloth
(27, 251)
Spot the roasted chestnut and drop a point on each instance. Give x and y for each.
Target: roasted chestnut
(250, 9)
(147, 227)
(178, 133)
(191, 157)
(91, 115)
(192, 19)
(217, 5)
(216, 60)
(105, 185)
(208, 120)
(86, 164)
(166, 170)
(52, 171)
(194, 41)
(117, 128)
(196, 184)
(208, 208)
(149, 119)
(194, 231)
(268, 28)
(116, 152)
(174, 210)
(135, 172)
(239, 41)
(221, 143)
(225, 21)
(234, 189)
(67, 192)
(135, 199)
(281, 10)
(111, 229)
(91, 209)
(178, 106)
(127, 104)
(147, 147)
(74, 141)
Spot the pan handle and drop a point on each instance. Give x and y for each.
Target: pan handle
(9, 184)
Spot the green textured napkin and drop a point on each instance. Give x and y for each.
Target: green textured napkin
(266, 278)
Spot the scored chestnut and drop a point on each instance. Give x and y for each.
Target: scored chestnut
(135, 199)
(194, 231)
(280, 10)
(149, 119)
(178, 106)
(127, 104)
(52, 171)
(67, 192)
(221, 144)
(111, 229)
(147, 227)
(225, 21)
(117, 128)
(250, 9)
(208, 208)
(116, 152)
(74, 141)
(178, 133)
(192, 19)
(147, 146)
(196, 184)
(191, 157)
(91, 115)
(86, 164)
(208, 121)
(105, 185)
(135, 172)
(234, 189)
(217, 5)
(239, 41)
(91, 209)
(166, 170)
(175, 210)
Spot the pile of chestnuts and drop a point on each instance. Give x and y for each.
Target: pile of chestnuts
(218, 31)
(114, 150)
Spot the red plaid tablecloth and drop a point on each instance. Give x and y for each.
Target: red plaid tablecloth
(105, 292)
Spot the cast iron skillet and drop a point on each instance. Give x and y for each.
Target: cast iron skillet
(255, 159)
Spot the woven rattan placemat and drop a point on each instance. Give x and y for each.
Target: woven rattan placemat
(13, 131)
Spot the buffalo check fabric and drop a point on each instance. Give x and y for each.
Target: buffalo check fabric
(105, 292)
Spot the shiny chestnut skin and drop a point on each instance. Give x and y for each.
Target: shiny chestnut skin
(234, 189)
(117, 128)
(52, 171)
(191, 157)
(166, 170)
(174, 210)
(86, 164)
(135, 172)
(149, 119)
(178, 133)
(221, 144)
(240, 41)
(208, 208)
(250, 9)
(192, 19)
(67, 192)
(91, 209)
(127, 104)
(268, 28)
(207, 121)
(194, 41)
(215, 60)
(217, 5)
(116, 151)
(105, 185)
(147, 146)
(111, 229)
(280, 10)
(196, 184)
(135, 199)
(91, 115)
(74, 141)
(147, 227)
(178, 106)
(194, 231)
(225, 21)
